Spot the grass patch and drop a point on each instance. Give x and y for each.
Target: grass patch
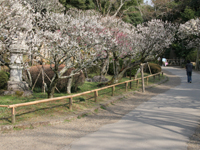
(66, 120)
(96, 110)
(17, 129)
(103, 107)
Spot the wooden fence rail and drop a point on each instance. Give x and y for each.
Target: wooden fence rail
(70, 97)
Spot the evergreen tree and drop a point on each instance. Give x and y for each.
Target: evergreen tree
(174, 10)
(80, 4)
(128, 10)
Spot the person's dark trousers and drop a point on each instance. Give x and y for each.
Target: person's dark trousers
(189, 76)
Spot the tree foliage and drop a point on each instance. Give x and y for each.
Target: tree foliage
(80, 4)
(175, 11)
(129, 10)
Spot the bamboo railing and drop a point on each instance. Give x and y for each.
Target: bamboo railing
(70, 97)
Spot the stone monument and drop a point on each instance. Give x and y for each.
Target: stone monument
(15, 83)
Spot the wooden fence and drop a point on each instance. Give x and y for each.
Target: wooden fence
(175, 62)
(70, 97)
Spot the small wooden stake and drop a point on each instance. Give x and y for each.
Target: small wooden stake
(95, 95)
(126, 84)
(130, 79)
(142, 76)
(149, 68)
(113, 89)
(13, 114)
(147, 80)
(154, 78)
(137, 83)
(36, 80)
(70, 103)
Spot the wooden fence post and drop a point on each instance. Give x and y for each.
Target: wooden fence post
(70, 103)
(142, 76)
(159, 76)
(113, 89)
(13, 114)
(95, 95)
(126, 84)
(147, 80)
(137, 83)
(130, 79)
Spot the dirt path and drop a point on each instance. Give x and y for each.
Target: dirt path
(62, 135)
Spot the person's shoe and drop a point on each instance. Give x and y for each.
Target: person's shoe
(190, 81)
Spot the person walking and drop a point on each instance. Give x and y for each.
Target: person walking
(189, 71)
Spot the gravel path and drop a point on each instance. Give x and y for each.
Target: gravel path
(56, 137)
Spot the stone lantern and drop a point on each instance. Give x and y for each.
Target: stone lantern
(17, 49)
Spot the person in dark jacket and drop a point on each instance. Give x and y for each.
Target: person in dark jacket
(189, 71)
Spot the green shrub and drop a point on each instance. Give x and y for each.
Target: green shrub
(183, 65)
(93, 70)
(3, 79)
(19, 93)
(155, 68)
(133, 71)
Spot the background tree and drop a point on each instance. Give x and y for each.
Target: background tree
(191, 32)
(178, 11)
(79, 4)
(129, 10)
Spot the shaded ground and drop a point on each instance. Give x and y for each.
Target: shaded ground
(194, 143)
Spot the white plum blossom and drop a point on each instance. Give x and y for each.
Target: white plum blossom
(191, 32)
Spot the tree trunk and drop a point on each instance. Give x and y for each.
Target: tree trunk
(86, 75)
(116, 78)
(52, 87)
(69, 84)
(119, 73)
(104, 68)
(137, 73)
(118, 9)
(43, 83)
(142, 76)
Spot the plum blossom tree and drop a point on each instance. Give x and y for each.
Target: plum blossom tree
(140, 44)
(190, 31)
(74, 42)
